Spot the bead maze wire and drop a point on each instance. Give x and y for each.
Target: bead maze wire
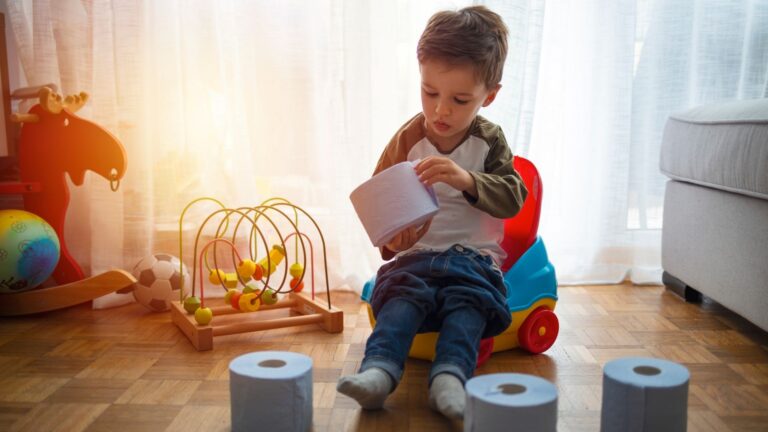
(250, 216)
(200, 264)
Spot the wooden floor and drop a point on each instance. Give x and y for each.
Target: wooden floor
(128, 369)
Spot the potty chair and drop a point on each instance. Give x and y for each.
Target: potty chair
(528, 274)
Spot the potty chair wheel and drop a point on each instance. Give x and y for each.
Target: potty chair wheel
(539, 330)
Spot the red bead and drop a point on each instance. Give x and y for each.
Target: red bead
(297, 288)
(258, 273)
(234, 299)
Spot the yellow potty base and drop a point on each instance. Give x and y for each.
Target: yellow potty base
(424, 344)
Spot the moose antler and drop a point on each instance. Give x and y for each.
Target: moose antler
(52, 102)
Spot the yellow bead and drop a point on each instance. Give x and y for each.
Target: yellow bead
(276, 255)
(246, 268)
(296, 270)
(249, 302)
(230, 280)
(203, 316)
(216, 276)
(271, 270)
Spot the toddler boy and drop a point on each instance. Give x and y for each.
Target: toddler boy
(446, 273)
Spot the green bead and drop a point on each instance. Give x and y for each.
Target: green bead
(191, 304)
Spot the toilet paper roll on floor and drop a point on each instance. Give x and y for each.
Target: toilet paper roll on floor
(643, 395)
(271, 390)
(393, 200)
(510, 401)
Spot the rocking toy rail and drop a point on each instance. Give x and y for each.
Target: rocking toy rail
(61, 296)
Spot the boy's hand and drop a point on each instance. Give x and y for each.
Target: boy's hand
(436, 169)
(407, 237)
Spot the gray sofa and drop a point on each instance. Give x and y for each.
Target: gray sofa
(715, 232)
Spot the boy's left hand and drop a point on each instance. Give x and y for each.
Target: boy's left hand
(437, 169)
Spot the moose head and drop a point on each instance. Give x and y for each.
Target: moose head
(58, 141)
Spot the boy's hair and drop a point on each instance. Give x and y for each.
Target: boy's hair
(474, 35)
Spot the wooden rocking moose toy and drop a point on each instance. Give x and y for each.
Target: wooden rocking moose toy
(53, 142)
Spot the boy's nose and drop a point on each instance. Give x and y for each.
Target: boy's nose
(442, 109)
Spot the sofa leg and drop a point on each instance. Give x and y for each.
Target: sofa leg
(680, 288)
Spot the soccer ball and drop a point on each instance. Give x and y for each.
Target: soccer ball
(159, 281)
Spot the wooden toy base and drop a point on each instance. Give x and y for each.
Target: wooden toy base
(227, 320)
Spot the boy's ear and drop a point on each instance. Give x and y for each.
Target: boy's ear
(491, 95)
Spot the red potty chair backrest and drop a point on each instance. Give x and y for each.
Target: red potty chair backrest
(520, 231)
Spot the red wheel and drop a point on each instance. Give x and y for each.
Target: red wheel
(539, 330)
(485, 351)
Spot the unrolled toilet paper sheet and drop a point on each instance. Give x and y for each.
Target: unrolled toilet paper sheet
(393, 200)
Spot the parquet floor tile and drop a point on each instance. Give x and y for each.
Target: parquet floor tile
(127, 369)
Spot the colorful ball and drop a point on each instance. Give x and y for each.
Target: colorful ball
(159, 281)
(29, 250)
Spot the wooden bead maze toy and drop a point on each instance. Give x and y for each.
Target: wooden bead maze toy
(251, 288)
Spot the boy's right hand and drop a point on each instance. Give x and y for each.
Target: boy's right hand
(407, 237)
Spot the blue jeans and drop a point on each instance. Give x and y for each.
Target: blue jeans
(458, 292)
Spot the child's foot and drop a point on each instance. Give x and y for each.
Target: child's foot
(369, 388)
(447, 396)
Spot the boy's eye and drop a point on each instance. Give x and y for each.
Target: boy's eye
(430, 94)
(460, 101)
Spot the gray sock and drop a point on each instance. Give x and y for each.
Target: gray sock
(447, 396)
(369, 388)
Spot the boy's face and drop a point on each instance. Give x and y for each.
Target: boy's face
(451, 96)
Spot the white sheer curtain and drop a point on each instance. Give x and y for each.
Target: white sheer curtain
(610, 74)
(239, 101)
(245, 100)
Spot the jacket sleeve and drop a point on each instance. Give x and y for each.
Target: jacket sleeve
(500, 189)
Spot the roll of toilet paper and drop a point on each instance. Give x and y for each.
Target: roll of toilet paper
(393, 200)
(644, 395)
(510, 401)
(271, 389)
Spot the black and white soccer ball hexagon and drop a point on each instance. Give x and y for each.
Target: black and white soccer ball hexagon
(158, 281)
